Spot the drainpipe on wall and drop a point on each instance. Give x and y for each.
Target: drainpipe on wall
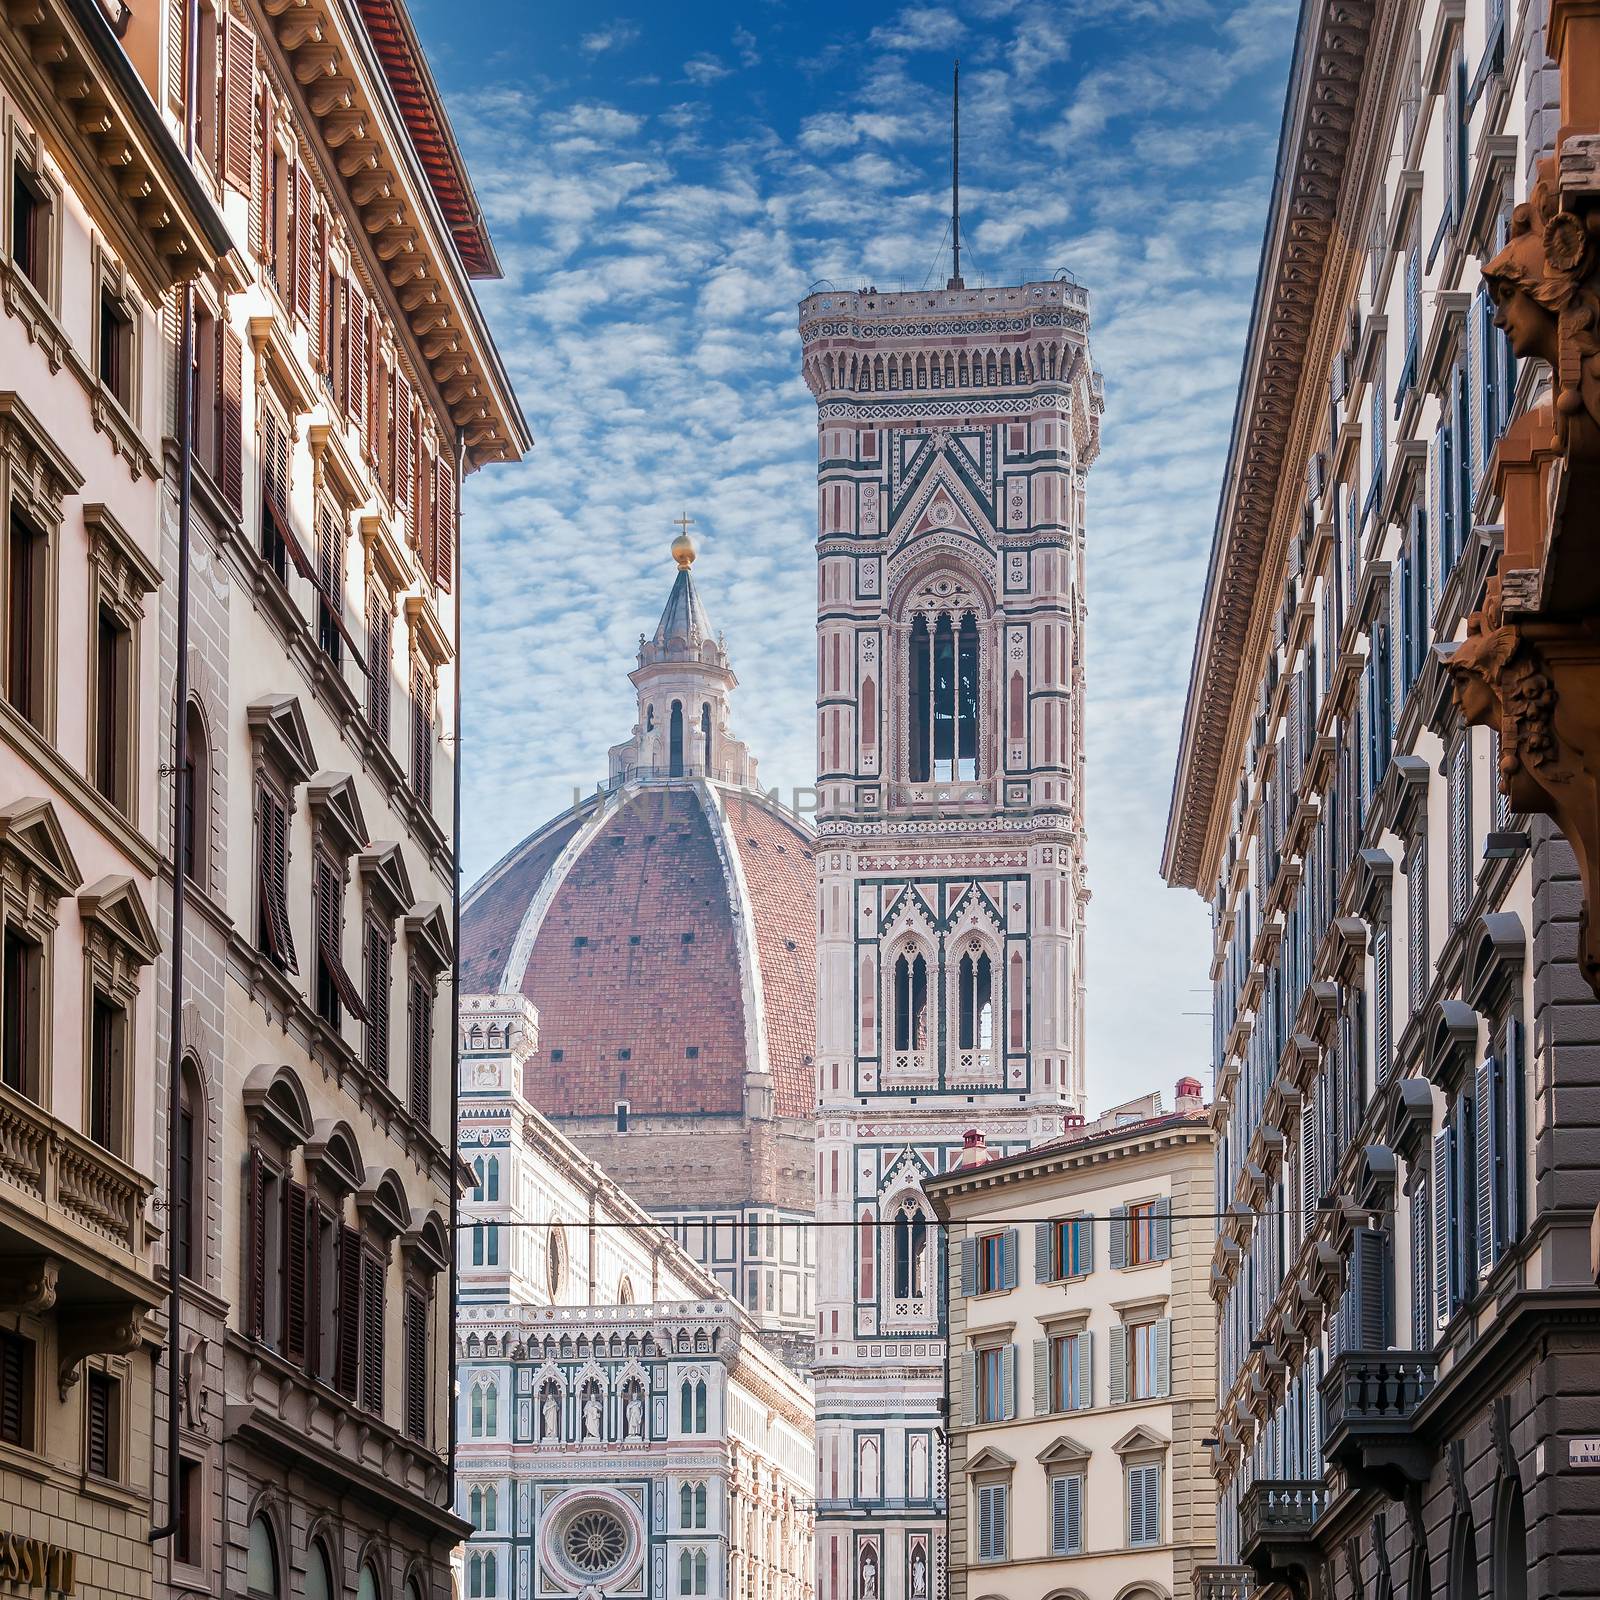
(455, 968)
(180, 819)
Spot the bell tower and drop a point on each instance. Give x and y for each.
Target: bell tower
(955, 432)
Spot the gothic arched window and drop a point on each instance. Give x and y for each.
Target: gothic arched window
(675, 741)
(975, 979)
(911, 1001)
(943, 699)
(492, 1188)
(705, 738)
(910, 1246)
(692, 1406)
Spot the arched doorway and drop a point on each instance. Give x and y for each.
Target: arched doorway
(1510, 1545)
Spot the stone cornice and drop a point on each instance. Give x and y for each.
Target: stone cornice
(1318, 136)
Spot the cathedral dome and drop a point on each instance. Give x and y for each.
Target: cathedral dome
(665, 934)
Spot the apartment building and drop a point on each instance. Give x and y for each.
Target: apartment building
(1082, 1359)
(1404, 1068)
(100, 218)
(625, 1430)
(341, 383)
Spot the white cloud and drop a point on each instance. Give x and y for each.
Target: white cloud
(705, 68)
(614, 36)
(920, 28)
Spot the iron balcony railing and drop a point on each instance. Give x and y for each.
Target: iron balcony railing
(1224, 1583)
(1279, 1511)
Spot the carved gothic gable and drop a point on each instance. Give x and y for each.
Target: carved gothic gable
(908, 909)
(960, 462)
(971, 906)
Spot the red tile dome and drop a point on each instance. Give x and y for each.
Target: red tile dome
(667, 938)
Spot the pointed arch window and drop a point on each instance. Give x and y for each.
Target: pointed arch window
(693, 1406)
(910, 1251)
(975, 980)
(911, 1001)
(675, 741)
(692, 1505)
(705, 738)
(943, 698)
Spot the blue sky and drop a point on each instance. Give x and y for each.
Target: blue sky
(664, 184)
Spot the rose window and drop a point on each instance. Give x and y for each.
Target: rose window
(595, 1542)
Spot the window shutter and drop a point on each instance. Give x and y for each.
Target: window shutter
(1042, 1397)
(1382, 1000)
(1085, 1370)
(1162, 1230)
(1511, 1130)
(416, 1333)
(316, 316)
(1083, 1244)
(1486, 1242)
(1119, 1365)
(1309, 1191)
(1042, 1266)
(372, 1276)
(969, 1267)
(178, 58)
(1442, 1222)
(302, 241)
(348, 1376)
(400, 449)
(256, 1262)
(420, 1046)
(377, 979)
(356, 357)
(1164, 1357)
(239, 108)
(380, 633)
(1370, 1271)
(1136, 1505)
(969, 1397)
(1060, 1544)
(1008, 1382)
(230, 383)
(1002, 1520)
(1472, 346)
(1421, 1255)
(295, 1317)
(444, 518)
(279, 867)
(97, 1424)
(1119, 1236)
(1008, 1258)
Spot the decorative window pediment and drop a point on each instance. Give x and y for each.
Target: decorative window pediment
(383, 870)
(1495, 959)
(333, 1153)
(989, 1459)
(1452, 1039)
(386, 557)
(381, 1200)
(280, 366)
(337, 810)
(275, 1097)
(126, 573)
(428, 931)
(1141, 1441)
(279, 727)
(32, 840)
(121, 936)
(425, 1241)
(427, 637)
(41, 477)
(334, 472)
(1064, 1451)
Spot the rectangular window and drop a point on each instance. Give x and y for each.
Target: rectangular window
(1148, 1347)
(990, 1369)
(16, 1390)
(1074, 1247)
(113, 709)
(994, 1516)
(1144, 1505)
(108, 1028)
(22, 1013)
(116, 347)
(277, 539)
(186, 1541)
(1068, 1374)
(31, 214)
(1066, 1513)
(992, 1275)
(274, 937)
(27, 618)
(102, 1421)
(336, 992)
(1142, 1233)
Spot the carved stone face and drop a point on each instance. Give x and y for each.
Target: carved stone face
(1473, 698)
(1530, 328)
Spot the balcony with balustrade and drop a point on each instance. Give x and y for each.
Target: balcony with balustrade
(1370, 1400)
(1224, 1583)
(1277, 1530)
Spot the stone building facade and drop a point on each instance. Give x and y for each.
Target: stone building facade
(343, 382)
(100, 217)
(663, 929)
(955, 431)
(1082, 1360)
(1408, 1322)
(624, 1429)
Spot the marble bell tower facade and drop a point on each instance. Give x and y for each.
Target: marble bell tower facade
(955, 432)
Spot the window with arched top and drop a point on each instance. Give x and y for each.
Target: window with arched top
(692, 1505)
(261, 1561)
(367, 1585)
(477, 1173)
(675, 740)
(975, 995)
(705, 737)
(910, 1251)
(555, 1260)
(911, 1000)
(319, 1575)
(942, 697)
(1510, 1545)
(693, 1572)
(625, 1291)
(484, 1409)
(693, 1406)
(492, 1175)
(1463, 1561)
(413, 1589)
(190, 1221)
(194, 795)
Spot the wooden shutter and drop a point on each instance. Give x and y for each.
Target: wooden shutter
(1511, 1129)
(1083, 1244)
(1043, 1271)
(1161, 1230)
(1382, 1000)
(316, 316)
(444, 521)
(300, 235)
(1119, 1236)
(178, 56)
(1421, 1255)
(416, 1341)
(377, 979)
(969, 1396)
(239, 108)
(347, 1373)
(1008, 1382)
(256, 1251)
(355, 353)
(1008, 1259)
(372, 1285)
(1443, 1303)
(14, 1395)
(969, 1267)
(1483, 1161)
(230, 399)
(401, 444)
(1309, 1193)
(317, 1220)
(1042, 1398)
(1136, 1505)
(421, 1046)
(1085, 1349)
(1164, 1356)
(97, 1395)
(295, 1309)
(1369, 1272)
(1119, 1364)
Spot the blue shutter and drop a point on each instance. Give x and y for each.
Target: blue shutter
(1488, 1213)
(1421, 1255)
(1443, 1219)
(1164, 1357)
(1119, 1364)
(1119, 1236)
(1085, 1344)
(1059, 1543)
(1008, 1258)
(1162, 1230)
(1041, 1252)
(969, 1397)
(1382, 1001)
(1370, 1282)
(1083, 1244)
(1511, 1126)
(1042, 1398)
(969, 1267)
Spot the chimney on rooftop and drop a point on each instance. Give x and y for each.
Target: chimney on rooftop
(974, 1152)
(1073, 1121)
(1191, 1097)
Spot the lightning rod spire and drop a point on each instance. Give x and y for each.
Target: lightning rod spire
(955, 184)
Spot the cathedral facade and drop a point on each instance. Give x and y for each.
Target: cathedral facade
(955, 432)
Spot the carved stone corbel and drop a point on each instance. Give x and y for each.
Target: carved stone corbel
(29, 1286)
(114, 1331)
